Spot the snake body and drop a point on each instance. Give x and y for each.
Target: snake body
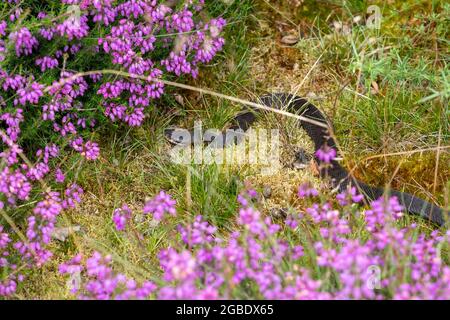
(320, 135)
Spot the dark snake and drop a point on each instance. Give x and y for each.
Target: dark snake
(320, 135)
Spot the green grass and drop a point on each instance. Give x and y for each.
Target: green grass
(392, 85)
(404, 115)
(135, 164)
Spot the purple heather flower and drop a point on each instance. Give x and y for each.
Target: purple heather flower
(177, 266)
(72, 266)
(326, 154)
(7, 287)
(297, 252)
(382, 210)
(41, 15)
(348, 197)
(115, 111)
(103, 11)
(102, 282)
(24, 41)
(15, 14)
(293, 220)
(50, 207)
(3, 27)
(72, 196)
(91, 150)
(306, 190)
(4, 238)
(129, 41)
(198, 233)
(50, 151)
(14, 185)
(251, 219)
(59, 176)
(46, 63)
(160, 205)
(2, 57)
(47, 33)
(73, 28)
(209, 267)
(182, 21)
(121, 217)
(29, 94)
(96, 77)
(38, 171)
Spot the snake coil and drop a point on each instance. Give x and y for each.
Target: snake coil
(340, 178)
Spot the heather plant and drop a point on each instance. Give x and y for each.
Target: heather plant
(258, 260)
(51, 118)
(48, 111)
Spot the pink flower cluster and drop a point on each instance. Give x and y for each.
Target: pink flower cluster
(32, 250)
(104, 284)
(256, 260)
(130, 42)
(121, 217)
(160, 205)
(46, 94)
(47, 63)
(24, 41)
(326, 154)
(199, 232)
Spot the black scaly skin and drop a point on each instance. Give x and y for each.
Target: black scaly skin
(340, 178)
